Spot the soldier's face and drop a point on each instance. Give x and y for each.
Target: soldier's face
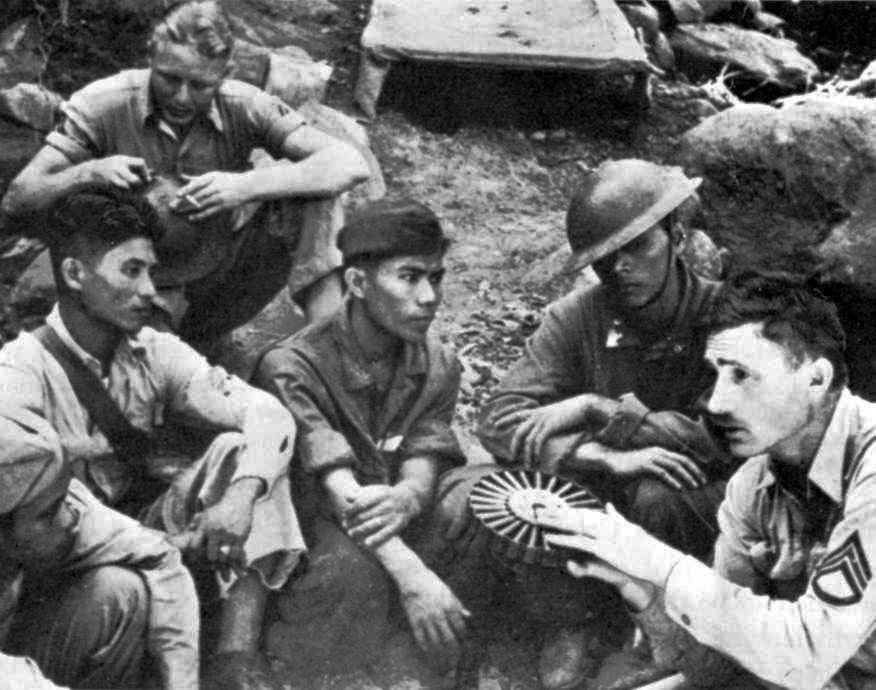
(763, 400)
(183, 82)
(402, 294)
(635, 273)
(39, 535)
(116, 288)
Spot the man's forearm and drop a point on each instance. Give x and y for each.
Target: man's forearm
(419, 476)
(29, 193)
(588, 458)
(326, 173)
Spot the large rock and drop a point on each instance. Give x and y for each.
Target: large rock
(288, 72)
(20, 56)
(30, 104)
(777, 179)
(765, 59)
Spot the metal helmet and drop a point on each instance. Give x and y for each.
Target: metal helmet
(619, 201)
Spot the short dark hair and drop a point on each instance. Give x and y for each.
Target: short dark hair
(793, 311)
(202, 24)
(88, 223)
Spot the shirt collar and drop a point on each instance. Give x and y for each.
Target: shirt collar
(129, 345)
(414, 360)
(826, 470)
(144, 105)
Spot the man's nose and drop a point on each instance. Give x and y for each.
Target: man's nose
(719, 401)
(620, 262)
(146, 287)
(183, 93)
(426, 293)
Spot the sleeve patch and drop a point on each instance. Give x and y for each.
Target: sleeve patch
(843, 574)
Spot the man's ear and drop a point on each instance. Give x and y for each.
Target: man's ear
(73, 273)
(678, 236)
(356, 280)
(822, 374)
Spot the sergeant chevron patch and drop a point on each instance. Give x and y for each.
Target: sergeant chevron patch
(843, 574)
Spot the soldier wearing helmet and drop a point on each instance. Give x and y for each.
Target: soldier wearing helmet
(605, 392)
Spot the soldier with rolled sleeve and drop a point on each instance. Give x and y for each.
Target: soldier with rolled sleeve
(236, 233)
(377, 473)
(790, 600)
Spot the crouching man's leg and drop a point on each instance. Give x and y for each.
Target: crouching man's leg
(87, 631)
(333, 616)
(264, 560)
(686, 520)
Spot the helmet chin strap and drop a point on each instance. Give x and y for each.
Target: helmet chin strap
(667, 274)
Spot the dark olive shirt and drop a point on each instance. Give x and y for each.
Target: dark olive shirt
(348, 418)
(584, 346)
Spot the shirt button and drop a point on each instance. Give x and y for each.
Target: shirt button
(685, 619)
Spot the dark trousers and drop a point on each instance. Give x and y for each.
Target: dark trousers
(85, 630)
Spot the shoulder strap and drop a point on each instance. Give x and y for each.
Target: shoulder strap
(129, 442)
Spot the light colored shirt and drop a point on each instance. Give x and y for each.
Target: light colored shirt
(106, 537)
(792, 597)
(116, 115)
(22, 672)
(151, 375)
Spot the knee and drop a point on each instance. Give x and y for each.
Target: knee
(109, 596)
(106, 612)
(656, 507)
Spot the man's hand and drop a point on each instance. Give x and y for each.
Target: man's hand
(126, 172)
(639, 594)
(675, 469)
(211, 193)
(379, 512)
(610, 537)
(218, 533)
(436, 616)
(536, 425)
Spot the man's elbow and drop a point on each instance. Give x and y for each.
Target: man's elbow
(14, 202)
(351, 165)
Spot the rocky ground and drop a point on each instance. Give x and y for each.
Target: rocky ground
(496, 155)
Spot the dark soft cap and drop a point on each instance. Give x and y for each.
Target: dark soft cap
(386, 228)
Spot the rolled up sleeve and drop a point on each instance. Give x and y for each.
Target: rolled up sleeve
(78, 136)
(291, 378)
(431, 434)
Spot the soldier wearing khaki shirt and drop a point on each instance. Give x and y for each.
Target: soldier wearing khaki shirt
(791, 597)
(228, 505)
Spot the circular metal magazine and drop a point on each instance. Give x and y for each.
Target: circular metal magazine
(507, 504)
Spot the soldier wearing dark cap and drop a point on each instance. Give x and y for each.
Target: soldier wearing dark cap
(85, 592)
(377, 473)
(606, 389)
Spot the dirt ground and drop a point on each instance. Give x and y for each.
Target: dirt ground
(496, 155)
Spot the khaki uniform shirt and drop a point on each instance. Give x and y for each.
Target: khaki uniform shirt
(151, 375)
(116, 115)
(106, 537)
(792, 597)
